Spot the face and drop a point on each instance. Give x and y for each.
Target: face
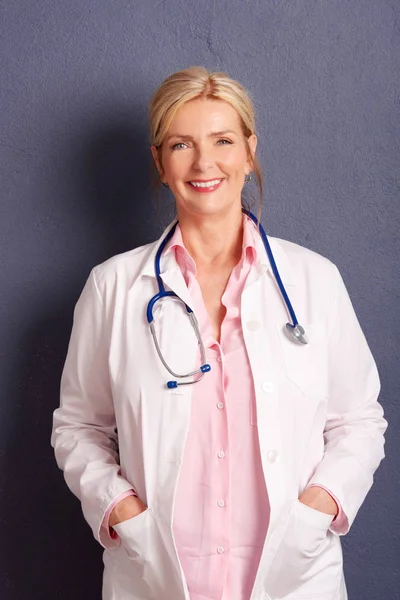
(204, 157)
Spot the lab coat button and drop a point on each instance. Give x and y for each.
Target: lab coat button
(253, 325)
(272, 456)
(220, 549)
(268, 387)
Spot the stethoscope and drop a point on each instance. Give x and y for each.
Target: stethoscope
(295, 330)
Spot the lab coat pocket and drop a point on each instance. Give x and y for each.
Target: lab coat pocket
(133, 534)
(305, 364)
(144, 547)
(308, 563)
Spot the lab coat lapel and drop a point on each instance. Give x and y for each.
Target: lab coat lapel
(170, 273)
(262, 309)
(263, 314)
(286, 273)
(174, 280)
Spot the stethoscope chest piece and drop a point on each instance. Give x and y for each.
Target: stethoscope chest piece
(297, 332)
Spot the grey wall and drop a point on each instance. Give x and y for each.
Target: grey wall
(75, 81)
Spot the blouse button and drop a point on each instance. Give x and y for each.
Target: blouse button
(220, 549)
(220, 405)
(268, 387)
(272, 456)
(221, 454)
(221, 503)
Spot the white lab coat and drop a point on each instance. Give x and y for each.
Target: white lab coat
(318, 418)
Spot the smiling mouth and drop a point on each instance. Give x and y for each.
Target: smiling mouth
(205, 186)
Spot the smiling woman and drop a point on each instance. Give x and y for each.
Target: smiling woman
(227, 119)
(235, 481)
(212, 155)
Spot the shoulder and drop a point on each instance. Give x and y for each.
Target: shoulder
(315, 283)
(301, 260)
(123, 268)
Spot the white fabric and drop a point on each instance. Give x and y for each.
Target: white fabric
(317, 415)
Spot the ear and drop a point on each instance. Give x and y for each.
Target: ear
(155, 154)
(252, 144)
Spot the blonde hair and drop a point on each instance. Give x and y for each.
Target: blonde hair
(197, 82)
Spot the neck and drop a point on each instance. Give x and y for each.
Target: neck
(213, 240)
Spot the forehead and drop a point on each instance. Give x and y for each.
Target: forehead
(205, 114)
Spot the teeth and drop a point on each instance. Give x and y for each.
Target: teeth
(205, 184)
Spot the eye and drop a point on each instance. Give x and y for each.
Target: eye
(224, 141)
(178, 146)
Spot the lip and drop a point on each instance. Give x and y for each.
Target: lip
(204, 190)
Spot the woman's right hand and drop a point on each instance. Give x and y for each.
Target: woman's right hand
(126, 509)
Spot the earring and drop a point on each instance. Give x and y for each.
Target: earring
(165, 185)
(247, 178)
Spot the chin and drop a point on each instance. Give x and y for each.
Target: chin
(208, 205)
(207, 208)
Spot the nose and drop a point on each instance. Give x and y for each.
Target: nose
(203, 158)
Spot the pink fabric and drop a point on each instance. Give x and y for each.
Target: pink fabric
(222, 511)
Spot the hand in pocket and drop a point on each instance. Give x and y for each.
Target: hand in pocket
(126, 509)
(304, 555)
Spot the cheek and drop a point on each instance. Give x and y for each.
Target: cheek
(235, 163)
(176, 167)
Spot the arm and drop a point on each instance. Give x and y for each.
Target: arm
(355, 425)
(84, 430)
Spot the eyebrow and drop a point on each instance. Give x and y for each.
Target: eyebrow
(213, 134)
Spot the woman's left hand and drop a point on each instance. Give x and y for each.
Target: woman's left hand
(319, 499)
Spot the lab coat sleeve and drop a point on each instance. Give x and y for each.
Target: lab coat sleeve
(84, 433)
(353, 435)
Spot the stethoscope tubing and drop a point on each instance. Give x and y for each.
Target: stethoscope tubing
(274, 267)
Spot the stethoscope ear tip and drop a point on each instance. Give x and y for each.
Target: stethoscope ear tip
(297, 332)
(172, 384)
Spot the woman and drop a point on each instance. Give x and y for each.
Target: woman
(237, 486)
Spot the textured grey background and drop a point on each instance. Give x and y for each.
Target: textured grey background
(75, 81)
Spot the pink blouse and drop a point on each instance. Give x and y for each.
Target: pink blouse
(222, 511)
